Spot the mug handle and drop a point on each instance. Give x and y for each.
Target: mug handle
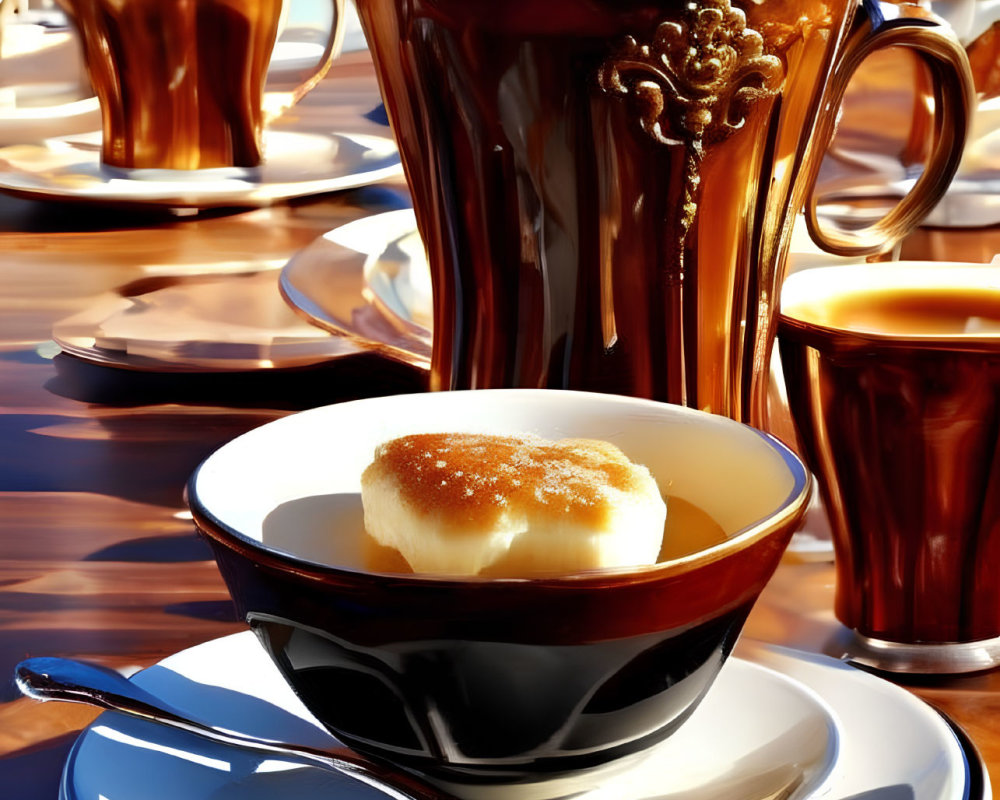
(938, 47)
(288, 86)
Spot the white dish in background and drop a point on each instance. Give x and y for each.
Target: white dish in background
(50, 130)
(296, 164)
(206, 323)
(43, 89)
(860, 198)
(368, 281)
(766, 732)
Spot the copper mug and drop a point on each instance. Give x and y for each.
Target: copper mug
(893, 378)
(606, 189)
(181, 83)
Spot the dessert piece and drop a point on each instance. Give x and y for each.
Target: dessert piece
(468, 504)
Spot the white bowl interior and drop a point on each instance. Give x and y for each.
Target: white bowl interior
(294, 484)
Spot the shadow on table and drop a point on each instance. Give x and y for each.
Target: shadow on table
(66, 215)
(363, 375)
(143, 444)
(28, 215)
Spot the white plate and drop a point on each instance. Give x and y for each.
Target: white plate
(43, 91)
(765, 732)
(199, 323)
(893, 745)
(295, 164)
(367, 280)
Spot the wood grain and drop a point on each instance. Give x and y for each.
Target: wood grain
(99, 558)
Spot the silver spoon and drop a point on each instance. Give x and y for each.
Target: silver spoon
(79, 682)
(90, 684)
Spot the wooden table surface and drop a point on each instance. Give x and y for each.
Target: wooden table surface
(98, 557)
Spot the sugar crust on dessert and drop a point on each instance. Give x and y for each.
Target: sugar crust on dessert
(511, 505)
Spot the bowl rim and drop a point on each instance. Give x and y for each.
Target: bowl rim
(785, 515)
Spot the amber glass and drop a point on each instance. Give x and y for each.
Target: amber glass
(605, 187)
(180, 82)
(896, 395)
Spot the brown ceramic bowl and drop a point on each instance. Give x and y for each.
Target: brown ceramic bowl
(497, 680)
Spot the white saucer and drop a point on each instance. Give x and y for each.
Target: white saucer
(368, 281)
(893, 745)
(766, 732)
(198, 324)
(296, 164)
(763, 720)
(43, 91)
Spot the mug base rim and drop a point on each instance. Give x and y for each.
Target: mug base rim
(924, 658)
(167, 175)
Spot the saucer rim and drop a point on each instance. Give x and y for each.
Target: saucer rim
(190, 194)
(84, 346)
(801, 664)
(818, 772)
(808, 670)
(401, 343)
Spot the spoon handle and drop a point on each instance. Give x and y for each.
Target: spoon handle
(49, 678)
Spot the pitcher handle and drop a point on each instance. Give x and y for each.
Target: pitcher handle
(291, 85)
(954, 99)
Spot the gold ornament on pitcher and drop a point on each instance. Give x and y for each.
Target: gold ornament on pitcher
(695, 82)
